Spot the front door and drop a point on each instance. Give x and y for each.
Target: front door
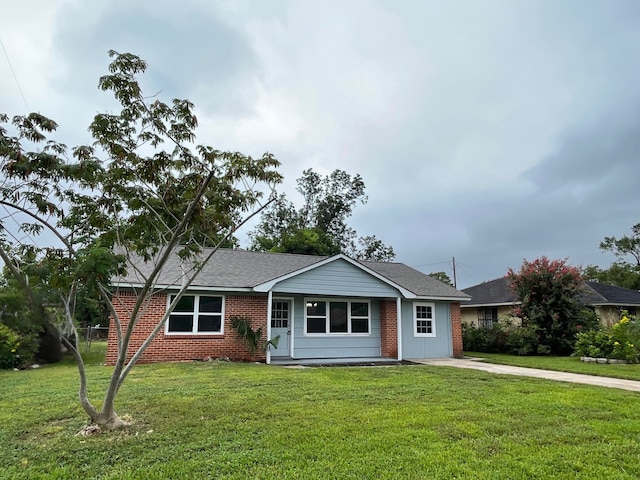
(281, 324)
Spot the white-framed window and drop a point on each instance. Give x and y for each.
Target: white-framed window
(337, 317)
(424, 320)
(196, 315)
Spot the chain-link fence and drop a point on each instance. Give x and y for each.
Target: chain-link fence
(92, 334)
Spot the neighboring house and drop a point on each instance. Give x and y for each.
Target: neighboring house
(321, 307)
(489, 302)
(609, 301)
(495, 299)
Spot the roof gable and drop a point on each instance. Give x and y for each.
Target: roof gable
(336, 258)
(337, 275)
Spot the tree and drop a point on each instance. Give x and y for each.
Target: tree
(625, 247)
(143, 191)
(373, 249)
(319, 227)
(307, 241)
(625, 271)
(549, 293)
(619, 274)
(442, 276)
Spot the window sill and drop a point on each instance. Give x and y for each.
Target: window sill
(194, 335)
(334, 335)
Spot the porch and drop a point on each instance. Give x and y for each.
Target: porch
(343, 361)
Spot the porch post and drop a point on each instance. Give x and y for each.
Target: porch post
(269, 305)
(399, 325)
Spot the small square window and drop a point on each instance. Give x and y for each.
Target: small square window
(423, 320)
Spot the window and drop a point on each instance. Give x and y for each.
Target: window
(196, 314)
(316, 317)
(339, 317)
(424, 324)
(487, 317)
(280, 314)
(359, 317)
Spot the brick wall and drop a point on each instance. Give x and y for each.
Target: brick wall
(389, 328)
(170, 348)
(456, 329)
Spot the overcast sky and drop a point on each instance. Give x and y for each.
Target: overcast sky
(491, 131)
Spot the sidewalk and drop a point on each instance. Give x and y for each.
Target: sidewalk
(477, 364)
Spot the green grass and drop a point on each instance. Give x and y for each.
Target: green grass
(562, 364)
(237, 421)
(92, 354)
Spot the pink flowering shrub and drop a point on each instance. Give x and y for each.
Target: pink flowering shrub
(549, 293)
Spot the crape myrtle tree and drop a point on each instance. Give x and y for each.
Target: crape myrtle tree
(143, 191)
(319, 227)
(549, 292)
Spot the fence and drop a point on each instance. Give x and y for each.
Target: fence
(93, 333)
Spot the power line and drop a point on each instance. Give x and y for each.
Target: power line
(15, 77)
(448, 262)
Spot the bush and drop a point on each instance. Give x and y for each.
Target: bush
(524, 341)
(474, 339)
(15, 350)
(502, 337)
(621, 341)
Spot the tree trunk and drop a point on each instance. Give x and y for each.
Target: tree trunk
(109, 420)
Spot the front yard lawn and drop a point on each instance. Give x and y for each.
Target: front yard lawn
(562, 364)
(222, 420)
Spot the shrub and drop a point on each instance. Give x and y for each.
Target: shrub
(251, 337)
(621, 341)
(15, 350)
(502, 337)
(524, 341)
(474, 339)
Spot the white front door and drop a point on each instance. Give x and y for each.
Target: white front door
(281, 324)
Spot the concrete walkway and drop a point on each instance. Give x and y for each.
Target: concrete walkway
(477, 364)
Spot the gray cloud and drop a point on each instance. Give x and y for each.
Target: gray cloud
(489, 131)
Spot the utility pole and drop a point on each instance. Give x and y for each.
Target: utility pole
(454, 273)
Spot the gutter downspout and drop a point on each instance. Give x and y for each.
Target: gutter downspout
(399, 325)
(269, 311)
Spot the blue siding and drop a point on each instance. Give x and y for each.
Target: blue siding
(427, 347)
(335, 346)
(336, 278)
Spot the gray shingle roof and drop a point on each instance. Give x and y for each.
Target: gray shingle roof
(245, 269)
(229, 269)
(602, 294)
(415, 281)
(499, 291)
(493, 292)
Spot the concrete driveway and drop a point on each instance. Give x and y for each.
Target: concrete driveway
(477, 364)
